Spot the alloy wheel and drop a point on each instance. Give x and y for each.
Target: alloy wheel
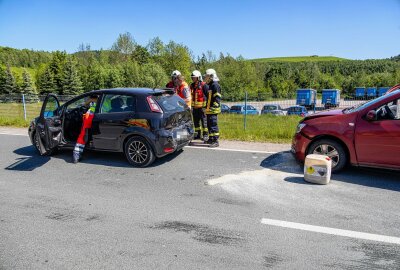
(138, 152)
(328, 150)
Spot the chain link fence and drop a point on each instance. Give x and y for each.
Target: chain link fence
(24, 106)
(28, 106)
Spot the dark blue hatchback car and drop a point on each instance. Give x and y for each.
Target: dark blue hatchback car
(297, 110)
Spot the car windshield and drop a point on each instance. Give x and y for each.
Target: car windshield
(295, 109)
(170, 103)
(236, 108)
(269, 107)
(362, 106)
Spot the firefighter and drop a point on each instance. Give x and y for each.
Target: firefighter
(182, 89)
(86, 125)
(199, 91)
(213, 107)
(172, 83)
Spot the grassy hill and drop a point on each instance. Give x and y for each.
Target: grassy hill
(313, 58)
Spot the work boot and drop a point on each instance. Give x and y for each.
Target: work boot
(214, 144)
(197, 137)
(205, 138)
(75, 157)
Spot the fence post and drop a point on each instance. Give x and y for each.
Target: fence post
(245, 110)
(23, 102)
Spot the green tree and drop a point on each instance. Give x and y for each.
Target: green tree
(10, 86)
(114, 78)
(27, 86)
(176, 57)
(72, 84)
(141, 55)
(152, 75)
(56, 67)
(45, 81)
(124, 46)
(2, 80)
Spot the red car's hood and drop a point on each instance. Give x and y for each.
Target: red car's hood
(323, 114)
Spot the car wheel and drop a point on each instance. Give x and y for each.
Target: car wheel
(332, 149)
(139, 152)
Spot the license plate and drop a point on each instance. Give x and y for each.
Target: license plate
(182, 135)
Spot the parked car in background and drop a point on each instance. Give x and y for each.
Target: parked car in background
(297, 110)
(144, 124)
(225, 108)
(242, 109)
(274, 109)
(365, 135)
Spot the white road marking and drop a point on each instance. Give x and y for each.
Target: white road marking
(232, 150)
(332, 231)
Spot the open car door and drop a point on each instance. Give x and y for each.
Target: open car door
(49, 126)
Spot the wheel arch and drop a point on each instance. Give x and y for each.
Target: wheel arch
(138, 135)
(333, 138)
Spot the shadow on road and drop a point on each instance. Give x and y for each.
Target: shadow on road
(31, 160)
(376, 178)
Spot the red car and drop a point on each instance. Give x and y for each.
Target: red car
(364, 135)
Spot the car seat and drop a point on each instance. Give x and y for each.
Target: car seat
(116, 104)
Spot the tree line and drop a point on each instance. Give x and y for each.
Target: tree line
(129, 64)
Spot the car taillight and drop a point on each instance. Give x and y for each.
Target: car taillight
(154, 107)
(169, 150)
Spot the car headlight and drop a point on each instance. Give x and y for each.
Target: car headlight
(300, 127)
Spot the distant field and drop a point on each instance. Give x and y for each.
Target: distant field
(300, 59)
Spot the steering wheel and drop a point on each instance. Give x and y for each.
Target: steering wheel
(76, 113)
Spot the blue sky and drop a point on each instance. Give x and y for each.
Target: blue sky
(356, 29)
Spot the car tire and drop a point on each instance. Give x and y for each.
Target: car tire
(332, 149)
(138, 152)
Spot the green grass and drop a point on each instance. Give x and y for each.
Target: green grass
(16, 110)
(260, 128)
(13, 122)
(299, 59)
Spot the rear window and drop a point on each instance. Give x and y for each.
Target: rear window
(170, 103)
(295, 109)
(236, 108)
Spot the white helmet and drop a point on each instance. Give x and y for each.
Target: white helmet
(197, 74)
(212, 74)
(175, 73)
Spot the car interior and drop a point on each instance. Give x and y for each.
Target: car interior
(389, 111)
(75, 111)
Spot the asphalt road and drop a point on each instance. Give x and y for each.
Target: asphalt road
(200, 209)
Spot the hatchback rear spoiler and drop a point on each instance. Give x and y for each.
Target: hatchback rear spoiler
(169, 91)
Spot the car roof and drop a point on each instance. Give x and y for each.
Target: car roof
(135, 91)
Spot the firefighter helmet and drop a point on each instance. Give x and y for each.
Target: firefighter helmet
(175, 73)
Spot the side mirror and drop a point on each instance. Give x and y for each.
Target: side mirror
(371, 116)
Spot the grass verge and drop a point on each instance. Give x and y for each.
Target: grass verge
(259, 128)
(13, 122)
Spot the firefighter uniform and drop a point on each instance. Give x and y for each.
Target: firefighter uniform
(183, 91)
(199, 91)
(212, 110)
(84, 134)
